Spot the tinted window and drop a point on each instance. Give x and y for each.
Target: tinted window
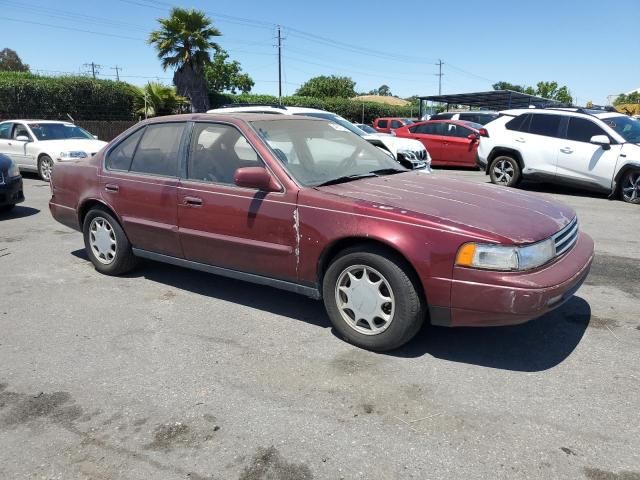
(158, 150)
(547, 125)
(5, 130)
(120, 157)
(520, 123)
(442, 116)
(382, 124)
(217, 151)
(481, 118)
(453, 130)
(396, 124)
(581, 130)
(426, 129)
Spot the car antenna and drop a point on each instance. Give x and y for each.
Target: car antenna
(72, 120)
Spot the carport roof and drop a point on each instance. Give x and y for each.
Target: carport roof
(493, 100)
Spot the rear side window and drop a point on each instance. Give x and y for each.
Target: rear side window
(5, 130)
(543, 124)
(519, 124)
(158, 150)
(120, 157)
(382, 124)
(581, 130)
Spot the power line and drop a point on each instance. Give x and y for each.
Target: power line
(95, 68)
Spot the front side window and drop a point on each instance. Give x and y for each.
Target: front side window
(217, 151)
(120, 156)
(543, 124)
(315, 152)
(382, 124)
(581, 130)
(20, 130)
(158, 150)
(396, 124)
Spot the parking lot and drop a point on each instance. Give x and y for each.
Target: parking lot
(175, 374)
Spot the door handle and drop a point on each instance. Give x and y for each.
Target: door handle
(193, 201)
(110, 187)
(566, 150)
(521, 140)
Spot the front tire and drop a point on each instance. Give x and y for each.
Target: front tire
(45, 167)
(372, 299)
(504, 170)
(106, 243)
(630, 187)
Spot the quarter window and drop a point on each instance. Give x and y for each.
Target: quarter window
(581, 130)
(158, 150)
(217, 151)
(120, 157)
(547, 125)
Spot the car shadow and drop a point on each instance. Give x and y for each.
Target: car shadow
(534, 346)
(18, 212)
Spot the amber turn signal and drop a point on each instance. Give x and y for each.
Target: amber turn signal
(465, 255)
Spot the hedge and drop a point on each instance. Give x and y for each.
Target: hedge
(25, 95)
(347, 108)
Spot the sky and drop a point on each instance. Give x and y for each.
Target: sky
(582, 44)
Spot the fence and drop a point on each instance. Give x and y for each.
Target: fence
(106, 130)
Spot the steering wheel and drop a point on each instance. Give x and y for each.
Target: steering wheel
(350, 161)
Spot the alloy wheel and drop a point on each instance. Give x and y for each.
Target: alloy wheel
(631, 187)
(46, 165)
(503, 172)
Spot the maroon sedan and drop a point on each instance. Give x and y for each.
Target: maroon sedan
(304, 205)
(450, 143)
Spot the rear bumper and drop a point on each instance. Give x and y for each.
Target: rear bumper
(11, 192)
(509, 298)
(65, 215)
(480, 162)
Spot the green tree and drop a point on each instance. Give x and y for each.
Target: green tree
(10, 61)
(633, 97)
(226, 76)
(183, 42)
(543, 89)
(323, 86)
(385, 91)
(515, 88)
(156, 99)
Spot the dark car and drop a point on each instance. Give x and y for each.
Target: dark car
(304, 205)
(10, 184)
(480, 116)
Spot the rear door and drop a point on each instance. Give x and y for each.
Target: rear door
(228, 226)
(580, 160)
(537, 136)
(427, 134)
(140, 183)
(458, 149)
(382, 125)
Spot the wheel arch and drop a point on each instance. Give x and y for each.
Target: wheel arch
(497, 151)
(90, 203)
(615, 190)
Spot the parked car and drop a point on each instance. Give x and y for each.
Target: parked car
(450, 143)
(36, 145)
(390, 124)
(481, 116)
(591, 149)
(304, 205)
(409, 153)
(10, 184)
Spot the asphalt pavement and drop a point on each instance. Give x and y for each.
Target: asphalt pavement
(168, 373)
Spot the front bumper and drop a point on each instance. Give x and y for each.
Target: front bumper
(486, 298)
(11, 192)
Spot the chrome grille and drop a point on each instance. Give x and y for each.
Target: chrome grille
(567, 237)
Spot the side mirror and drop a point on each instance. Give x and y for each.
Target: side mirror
(22, 138)
(473, 136)
(95, 137)
(255, 177)
(601, 140)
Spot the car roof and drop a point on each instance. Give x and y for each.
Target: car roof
(224, 117)
(564, 111)
(462, 123)
(64, 122)
(282, 110)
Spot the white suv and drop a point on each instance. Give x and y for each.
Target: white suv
(408, 152)
(593, 149)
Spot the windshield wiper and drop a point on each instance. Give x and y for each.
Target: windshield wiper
(388, 171)
(346, 178)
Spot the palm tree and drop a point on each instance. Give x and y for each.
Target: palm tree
(183, 42)
(156, 99)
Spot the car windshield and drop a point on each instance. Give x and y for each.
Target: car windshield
(628, 128)
(316, 152)
(332, 117)
(58, 131)
(366, 128)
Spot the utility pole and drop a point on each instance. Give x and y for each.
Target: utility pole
(279, 65)
(439, 75)
(117, 69)
(95, 68)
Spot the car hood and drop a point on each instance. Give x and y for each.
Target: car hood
(396, 143)
(56, 146)
(490, 211)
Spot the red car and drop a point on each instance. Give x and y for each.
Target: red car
(390, 124)
(304, 205)
(449, 142)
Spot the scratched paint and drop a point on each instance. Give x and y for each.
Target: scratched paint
(296, 229)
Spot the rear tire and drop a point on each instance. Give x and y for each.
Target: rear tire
(45, 166)
(504, 170)
(373, 299)
(630, 187)
(106, 243)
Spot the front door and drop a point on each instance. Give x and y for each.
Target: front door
(17, 149)
(227, 226)
(140, 184)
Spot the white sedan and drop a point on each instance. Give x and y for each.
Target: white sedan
(35, 145)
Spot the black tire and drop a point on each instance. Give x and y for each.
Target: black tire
(43, 171)
(123, 259)
(409, 306)
(630, 187)
(505, 170)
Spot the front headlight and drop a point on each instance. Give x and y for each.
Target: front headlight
(503, 257)
(72, 155)
(13, 171)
